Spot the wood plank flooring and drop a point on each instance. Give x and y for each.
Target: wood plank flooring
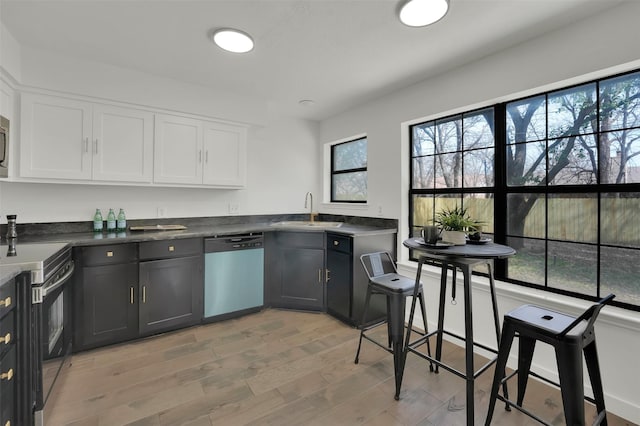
(274, 367)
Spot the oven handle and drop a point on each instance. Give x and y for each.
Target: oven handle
(61, 280)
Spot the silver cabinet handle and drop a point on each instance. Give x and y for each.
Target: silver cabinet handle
(200, 156)
(206, 156)
(86, 144)
(327, 275)
(131, 299)
(95, 146)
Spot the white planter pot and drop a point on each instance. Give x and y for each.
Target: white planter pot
(456, 237)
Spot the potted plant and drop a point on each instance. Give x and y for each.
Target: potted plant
(455, 223)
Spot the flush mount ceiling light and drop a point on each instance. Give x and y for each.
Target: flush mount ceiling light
(232, 40)
(419, 13)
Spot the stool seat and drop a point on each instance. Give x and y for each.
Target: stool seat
(571, 337)
(394, 283)
(546, 322)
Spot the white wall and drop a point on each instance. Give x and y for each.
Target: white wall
(596, 47)
(282, 152)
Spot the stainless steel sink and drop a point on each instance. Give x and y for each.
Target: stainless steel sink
(307, 224)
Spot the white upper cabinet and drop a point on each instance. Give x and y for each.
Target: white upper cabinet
(122, 144)
(190, 151)
(69, 139)
(66, 139)
(54, 137)
(225, 155)
(178, 150)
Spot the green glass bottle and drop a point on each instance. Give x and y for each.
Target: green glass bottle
(111, 221)
(121, 224)
(97, 221)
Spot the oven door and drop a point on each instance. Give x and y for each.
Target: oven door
(52, 338)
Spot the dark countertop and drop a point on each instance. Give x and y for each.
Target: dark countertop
(7, 273)
(196, 231)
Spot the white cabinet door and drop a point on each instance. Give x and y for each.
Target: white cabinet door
(178, 152)
(55, 137)
(122, 144)
(225, 158)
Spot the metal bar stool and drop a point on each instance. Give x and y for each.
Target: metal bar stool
(570, 337)
(384, 279)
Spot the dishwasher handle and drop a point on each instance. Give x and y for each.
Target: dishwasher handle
(233, 242)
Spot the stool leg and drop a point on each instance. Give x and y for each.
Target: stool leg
(569, 359)
(397, 334)
(508, 333)
(526, 346)
(389, 331)
(426, 328)
(468, 336)
(593, 367)
(363, 322)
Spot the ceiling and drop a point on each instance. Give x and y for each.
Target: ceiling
(338, 53)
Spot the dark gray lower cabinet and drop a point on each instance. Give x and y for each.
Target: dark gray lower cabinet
(347, 282)
(124, 291)
(294, 267)
(171, 293)
(106, 291)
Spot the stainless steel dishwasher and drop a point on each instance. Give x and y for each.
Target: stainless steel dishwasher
(233, 276)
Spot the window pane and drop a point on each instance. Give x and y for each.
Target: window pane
(571, 111)
(447, 202)
(478, 131)
(423, 139)
(350, 155)
(573, 161)
(526, 164)
(620, 157)
(620, 221)
(573, 217)
(572, 267)
(350, 186)
(478, 168)
(526, 120)
(619, 271)
(449, 137)
(423, 212)
(423, 173)
(449, 170)
(619, 102)
(480, 208)
(526, 215)
(528, 263)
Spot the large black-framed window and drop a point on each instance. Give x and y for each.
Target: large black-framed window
(349, 171)
(566, 192)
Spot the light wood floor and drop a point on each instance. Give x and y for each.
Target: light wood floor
(273, 368)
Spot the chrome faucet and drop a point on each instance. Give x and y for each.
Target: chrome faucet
(309, 197)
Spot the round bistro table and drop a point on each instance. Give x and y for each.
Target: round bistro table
(463, 257)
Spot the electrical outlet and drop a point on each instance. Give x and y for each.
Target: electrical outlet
(162, 212)
(233, 208)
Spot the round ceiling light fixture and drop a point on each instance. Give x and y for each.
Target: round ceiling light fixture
(232, 40)
(420, 13)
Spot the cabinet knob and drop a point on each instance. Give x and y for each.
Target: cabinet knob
(336, 243)
(5, 339)
(8, 375)
(109, 253)
(6, 302)
(172, 248)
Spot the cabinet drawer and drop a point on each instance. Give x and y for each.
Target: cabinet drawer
(7, 333)
(109, 254)
(302, 239)
(7, 297)
(170, 248)
(339, 243)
